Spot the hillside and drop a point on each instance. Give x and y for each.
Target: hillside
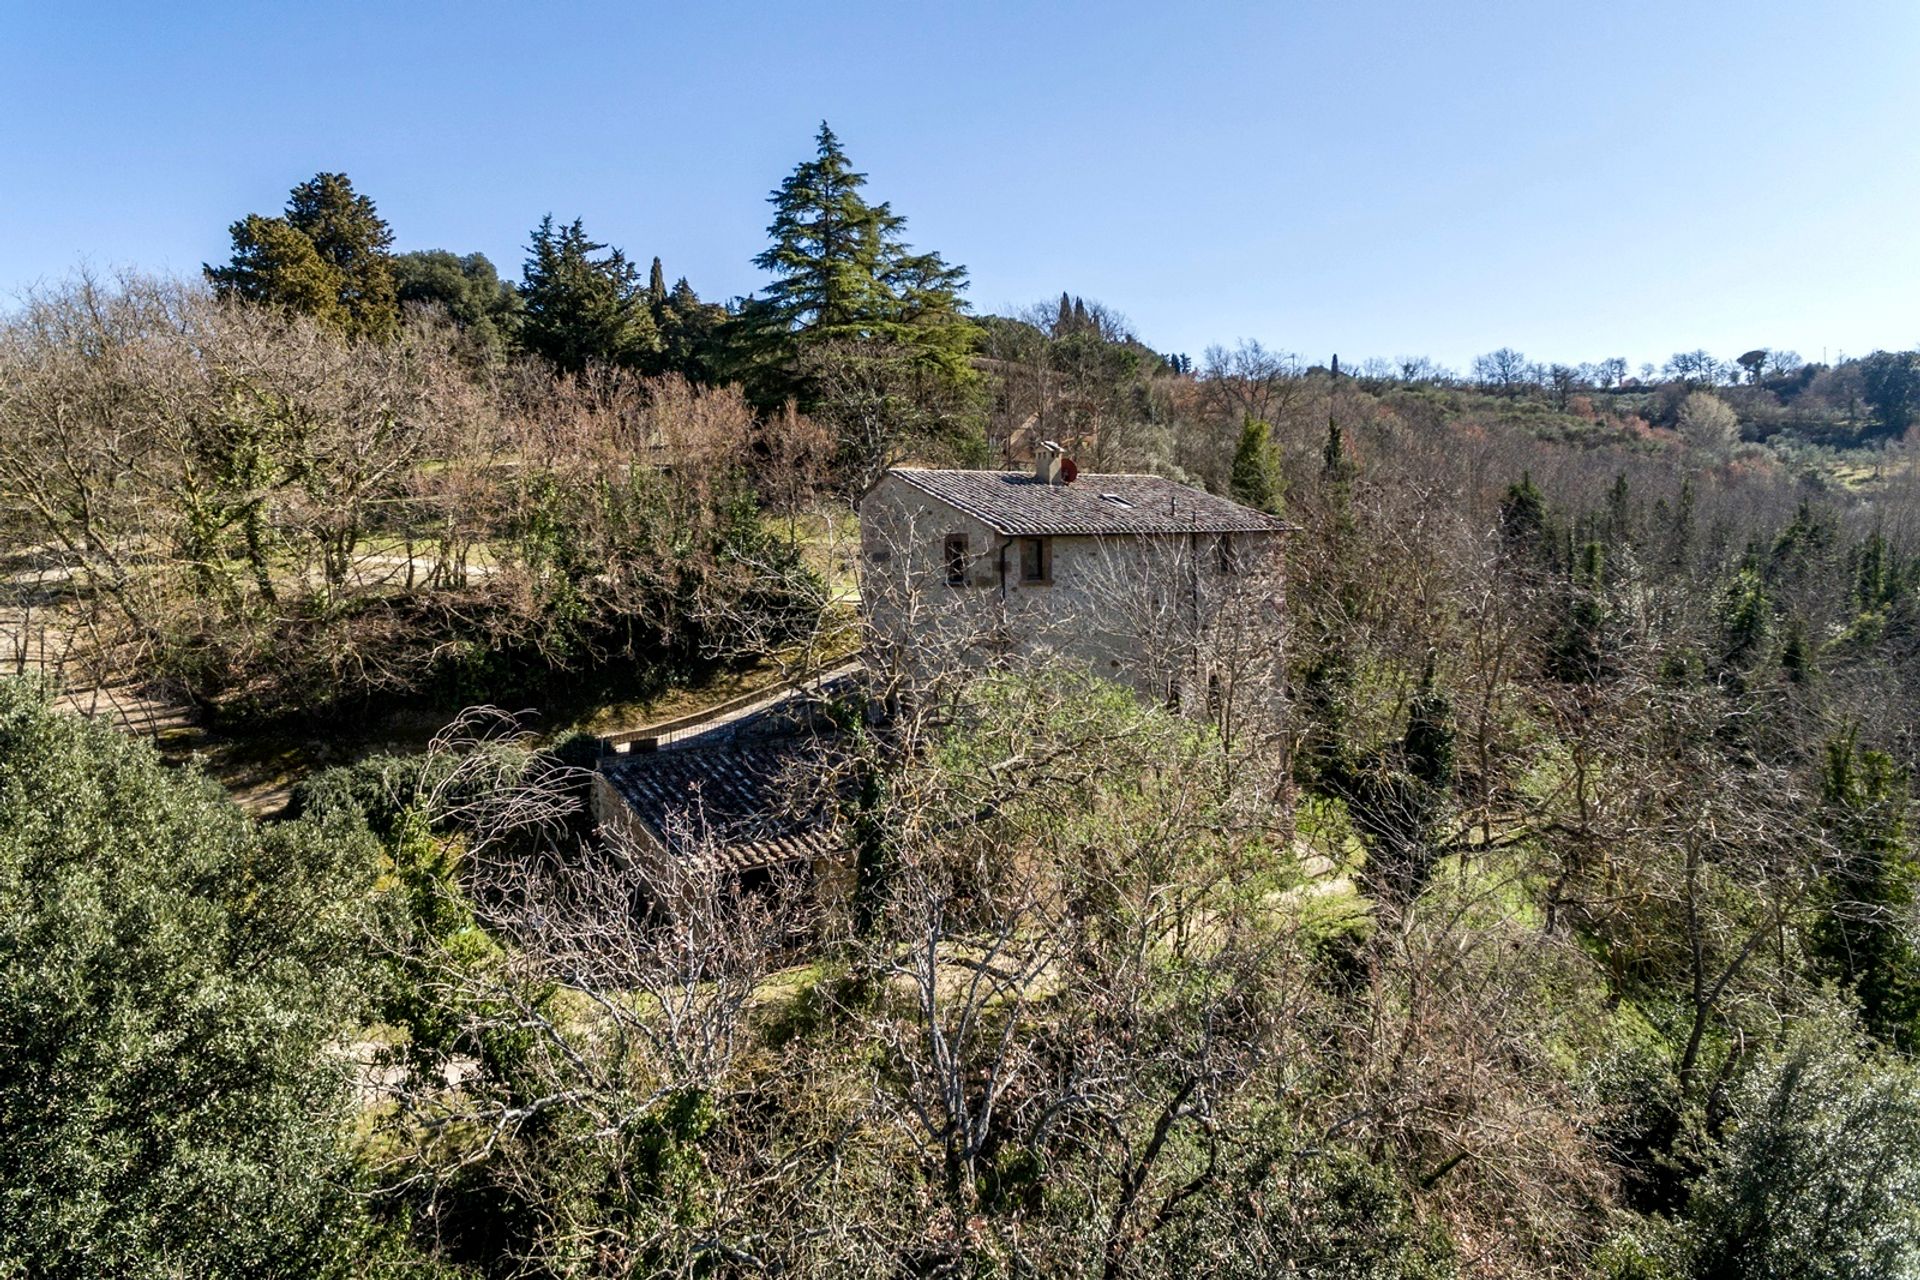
(1516, 881)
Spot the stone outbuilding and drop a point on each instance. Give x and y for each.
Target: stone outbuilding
(729, 808)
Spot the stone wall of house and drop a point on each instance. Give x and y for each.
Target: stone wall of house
(917, 624)
(1130, 608)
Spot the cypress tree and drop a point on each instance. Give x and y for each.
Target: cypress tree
(1796, 662)
(1680, 530)
(1619, 512)
(691, 335)
(1863, 939)
(1579, 653)
(1063, 322)
(1801, 546)
(1429, 739)
(1523, 516)
(1398, 794)
(1336, 477)
(1255, 480)
(1877, 577)
(1746, 619)
(656, 288)
(1334, 466)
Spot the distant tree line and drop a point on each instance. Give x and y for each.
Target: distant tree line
(874, 339)
(847, 290)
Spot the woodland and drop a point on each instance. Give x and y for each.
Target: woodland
(1561, 923)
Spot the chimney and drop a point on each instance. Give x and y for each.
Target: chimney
(1046, 462)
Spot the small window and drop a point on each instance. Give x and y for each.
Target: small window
(954, 556)
(1036, 560)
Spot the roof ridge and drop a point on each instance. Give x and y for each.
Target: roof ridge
(1009, 502)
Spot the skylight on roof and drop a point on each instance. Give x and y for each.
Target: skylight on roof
(1116, 500)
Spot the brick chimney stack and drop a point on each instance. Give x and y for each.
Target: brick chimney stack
(1046, 462)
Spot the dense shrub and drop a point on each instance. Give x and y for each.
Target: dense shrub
(173, 983)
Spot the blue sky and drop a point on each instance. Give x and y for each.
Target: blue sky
(1577, 180)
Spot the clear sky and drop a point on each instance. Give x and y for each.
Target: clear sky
(1369, 178)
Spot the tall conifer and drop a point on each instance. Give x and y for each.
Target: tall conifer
(329, 256)
(1255, 479)
(581, 307)
(843, 271)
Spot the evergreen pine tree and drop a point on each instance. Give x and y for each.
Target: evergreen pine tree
(328, 257)
(579, 308)
(273, 264)
(656, 288)
(843, 272)
(349, 233)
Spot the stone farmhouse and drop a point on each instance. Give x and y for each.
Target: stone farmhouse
(1127, 576)
(1124, 574)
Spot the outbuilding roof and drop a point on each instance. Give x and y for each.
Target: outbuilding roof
(1014, 503)
(730, 805)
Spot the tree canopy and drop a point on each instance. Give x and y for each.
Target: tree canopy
(328, 257)
(1892, 385)
(171, 977)
(844, 272)
(466, 286)
(580, 305)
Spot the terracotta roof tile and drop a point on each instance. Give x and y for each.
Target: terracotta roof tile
(733, 802)
(1014, 503)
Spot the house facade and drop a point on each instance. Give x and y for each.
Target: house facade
(1126, 575)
